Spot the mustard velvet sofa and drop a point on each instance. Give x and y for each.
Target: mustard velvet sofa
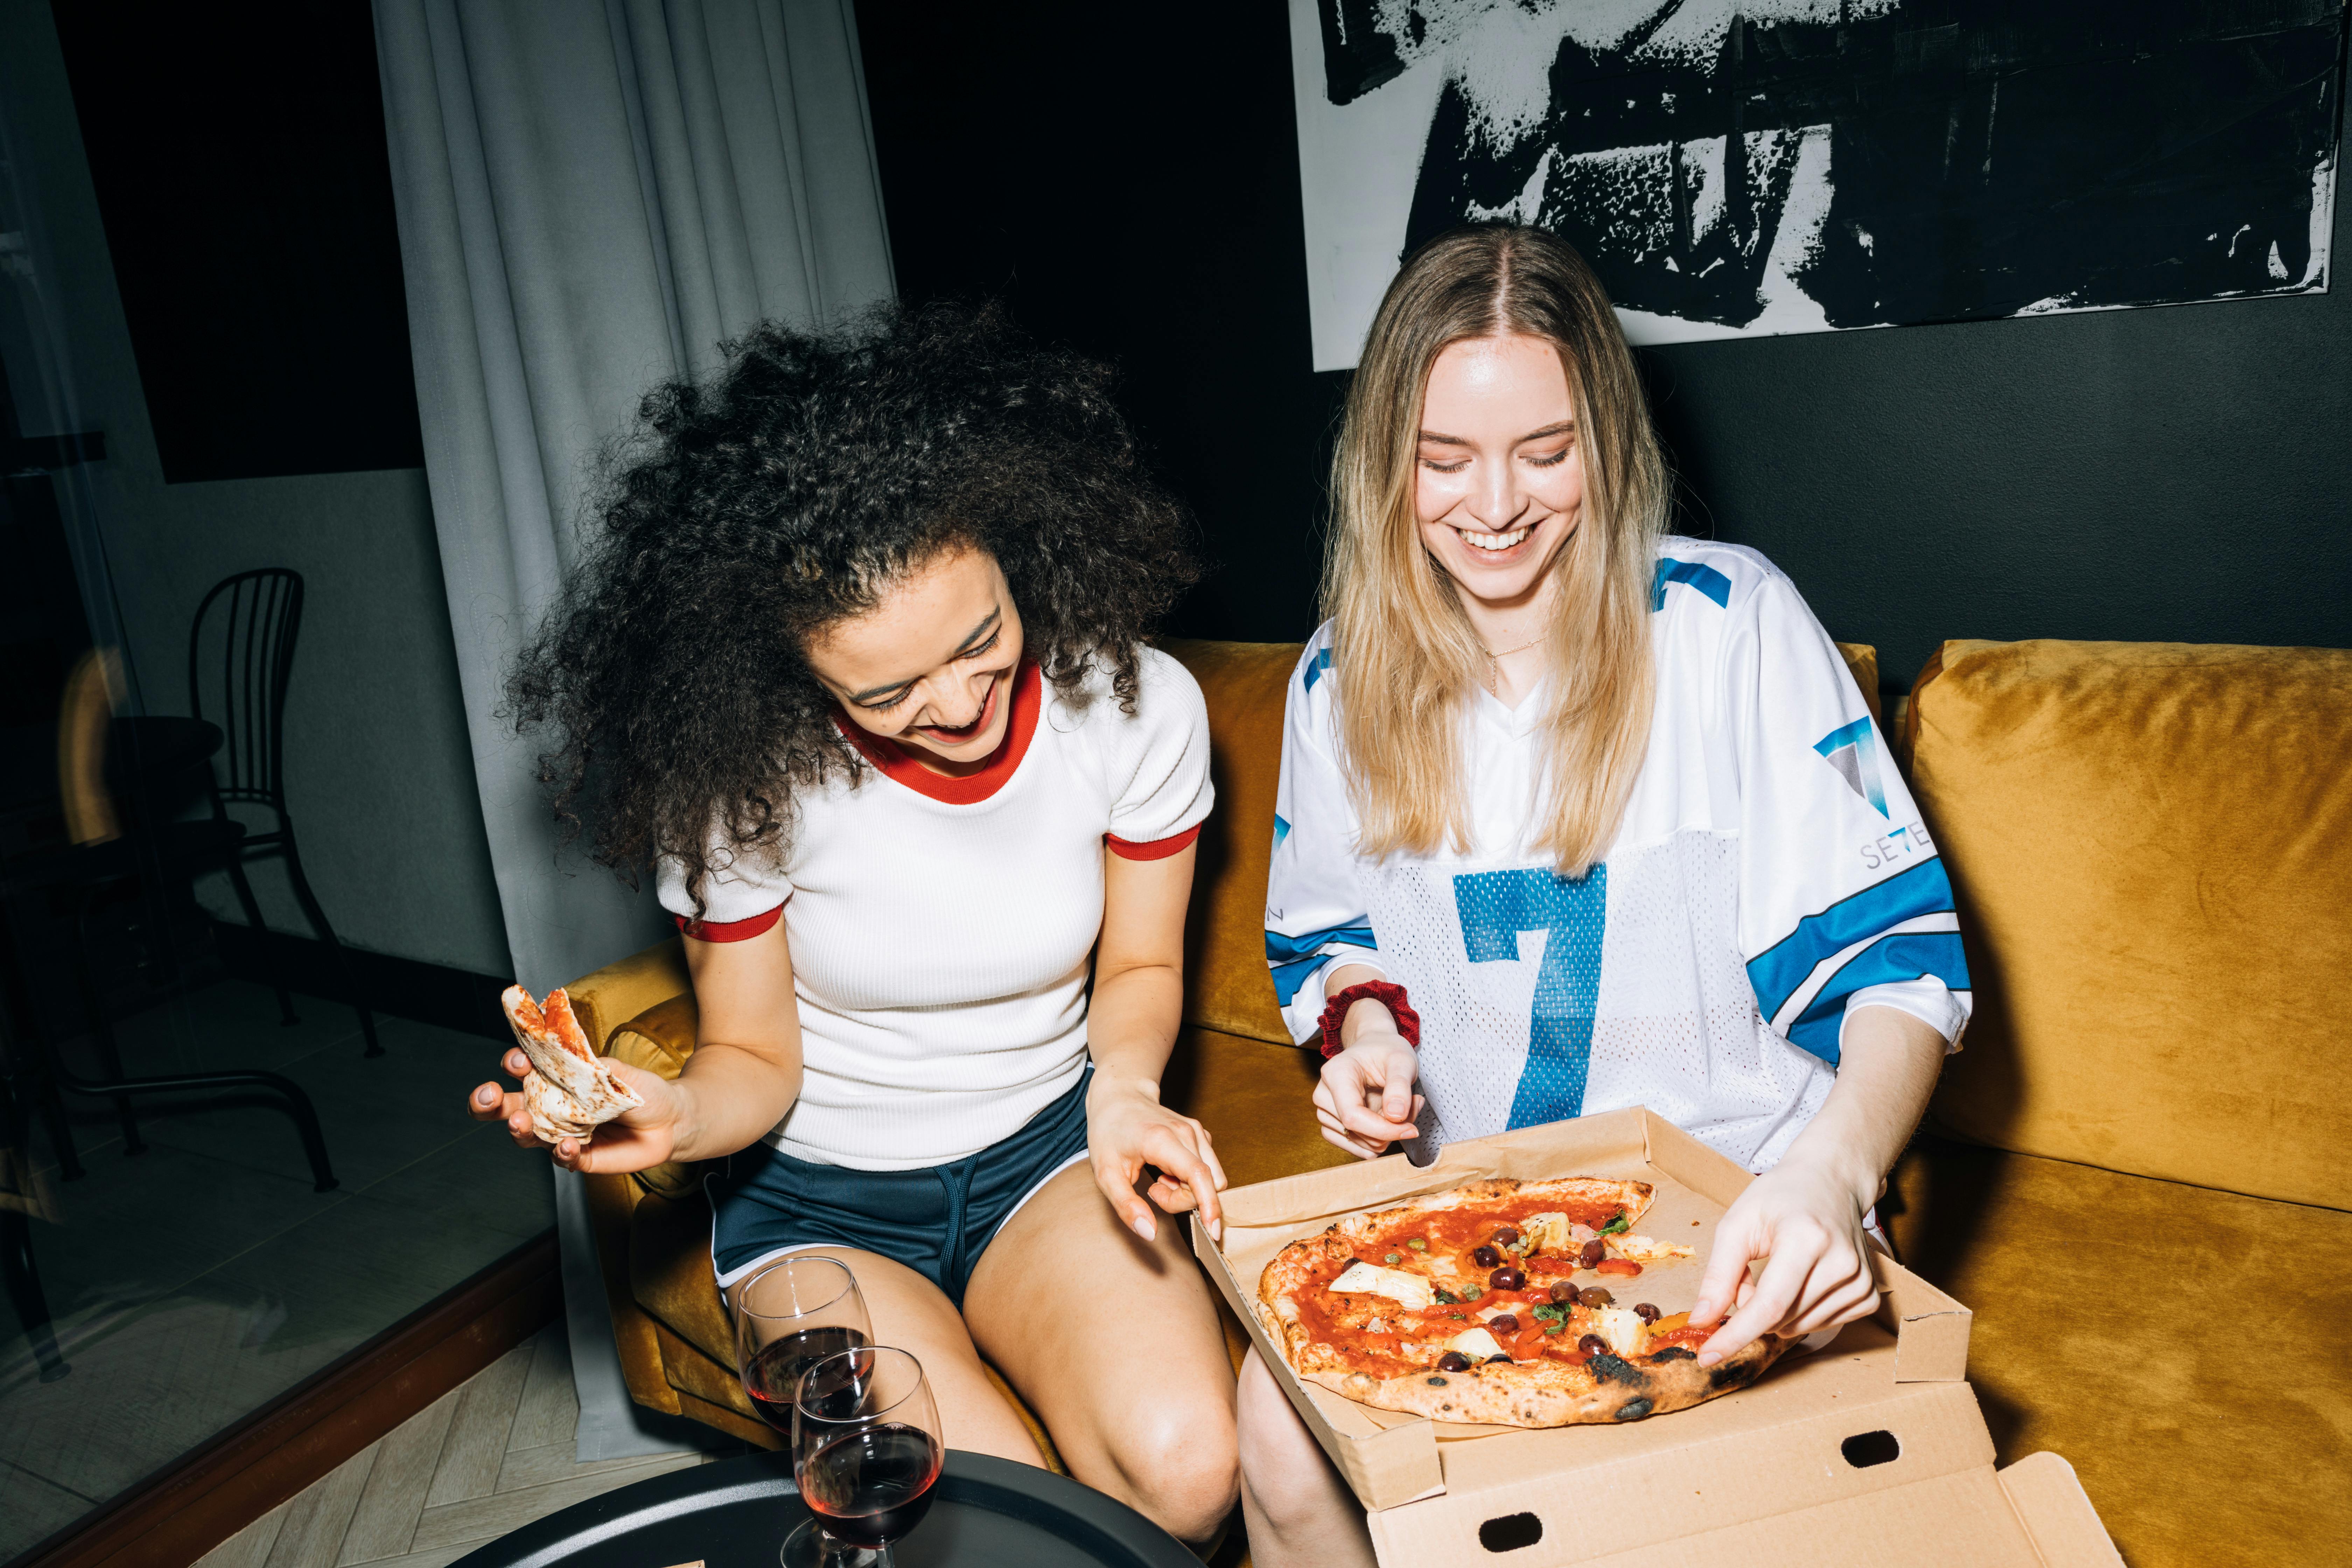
(2135, 1174)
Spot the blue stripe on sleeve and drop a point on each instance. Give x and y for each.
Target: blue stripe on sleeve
(1281, 829)
(1280, 949)
(1318, 667)
(1776, 974)
(1906, 956)
(1289, 977)
(1697, 574)
(1294, 959)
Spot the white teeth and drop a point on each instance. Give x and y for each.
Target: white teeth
(1491, 542)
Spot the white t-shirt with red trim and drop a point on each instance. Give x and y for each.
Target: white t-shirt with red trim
(942, 930)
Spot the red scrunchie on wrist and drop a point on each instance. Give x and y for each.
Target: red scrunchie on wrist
(1335, 1013)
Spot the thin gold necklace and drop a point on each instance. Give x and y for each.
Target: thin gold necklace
(1494, 661)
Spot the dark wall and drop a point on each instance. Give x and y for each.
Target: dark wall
(2164, 475)
(1131, 187)
(238, 157)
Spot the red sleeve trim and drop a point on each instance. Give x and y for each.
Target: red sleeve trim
(1158, 849)
(730, 931)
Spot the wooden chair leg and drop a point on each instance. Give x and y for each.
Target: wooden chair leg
(317, 917)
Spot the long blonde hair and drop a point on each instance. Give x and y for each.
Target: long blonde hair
(1407, 660)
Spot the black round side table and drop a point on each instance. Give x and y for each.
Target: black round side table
(986, 1513)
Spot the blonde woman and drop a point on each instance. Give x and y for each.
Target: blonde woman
(1575, 815)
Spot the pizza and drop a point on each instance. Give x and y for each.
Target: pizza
(571, 1094)
(1497, 1302)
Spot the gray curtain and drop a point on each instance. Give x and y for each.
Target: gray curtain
(591, 195)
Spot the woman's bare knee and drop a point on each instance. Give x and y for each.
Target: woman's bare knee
(1301, 1514)
(1288, 1475)
(1160, 1440)
(1179, 1462)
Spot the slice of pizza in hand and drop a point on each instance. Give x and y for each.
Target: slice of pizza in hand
(1466, 1305)
(571, 1094)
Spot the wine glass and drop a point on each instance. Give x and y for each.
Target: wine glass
(791, 1313)
(866, 1450)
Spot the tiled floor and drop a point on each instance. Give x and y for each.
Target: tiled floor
(197, 1280)
(485, 1459)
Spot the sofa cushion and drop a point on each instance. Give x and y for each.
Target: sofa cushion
(1226, 985)
(626, 988)
(670, 1274)
(660, 1041)
(1862, 663)
(2179, 1346)
(2151, 845)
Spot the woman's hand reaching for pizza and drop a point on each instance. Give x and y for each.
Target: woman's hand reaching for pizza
(1128, 1129)
(1365, 1100)
(1806, 1224)
(1804, 1217)
(639, 1139)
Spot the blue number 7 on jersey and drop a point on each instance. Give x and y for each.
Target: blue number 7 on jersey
(1496, 908)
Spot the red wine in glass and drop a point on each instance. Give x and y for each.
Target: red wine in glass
(873, 1485)
(773, 1377)
(866, 1451)
(791, 1314)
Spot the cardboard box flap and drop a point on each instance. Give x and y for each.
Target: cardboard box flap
(1931, 1329)
(2058, 1514)
(1964, 1520)
(1753, 1454)
(1958, 1520)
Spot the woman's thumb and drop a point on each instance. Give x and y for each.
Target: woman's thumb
(1396, 1099)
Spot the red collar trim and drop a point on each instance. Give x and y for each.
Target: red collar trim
(970, 789)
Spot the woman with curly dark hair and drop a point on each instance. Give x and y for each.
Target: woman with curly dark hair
(856, 664)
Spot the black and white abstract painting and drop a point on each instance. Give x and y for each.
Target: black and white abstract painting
(1747, 167)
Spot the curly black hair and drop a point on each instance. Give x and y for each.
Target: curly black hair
(787, 493)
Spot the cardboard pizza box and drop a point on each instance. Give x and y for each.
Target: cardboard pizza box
(1870, 1451)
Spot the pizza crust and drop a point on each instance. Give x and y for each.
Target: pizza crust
(1609, 1388)
(1552, 1394)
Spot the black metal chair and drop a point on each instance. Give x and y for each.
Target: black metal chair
(263, 611)
(101, 763)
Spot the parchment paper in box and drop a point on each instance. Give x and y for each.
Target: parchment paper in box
(1768, 1451)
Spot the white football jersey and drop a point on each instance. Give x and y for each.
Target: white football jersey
(1771, 874)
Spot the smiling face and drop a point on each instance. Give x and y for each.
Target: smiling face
(1499, 483)
(932, 666)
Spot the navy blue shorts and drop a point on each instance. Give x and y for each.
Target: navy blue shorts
(936, 1219)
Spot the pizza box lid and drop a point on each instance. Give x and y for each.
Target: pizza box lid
(1880, 1425)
